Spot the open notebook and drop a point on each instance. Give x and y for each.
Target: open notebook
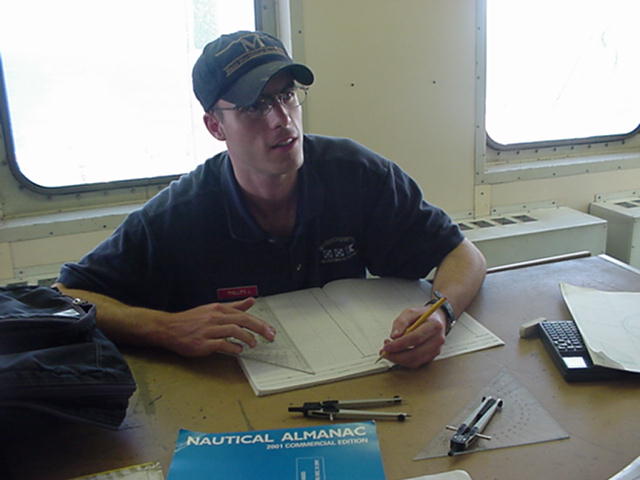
(335, 332)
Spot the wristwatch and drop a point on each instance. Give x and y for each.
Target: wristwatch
(446, 308)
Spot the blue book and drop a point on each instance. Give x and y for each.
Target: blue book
(339, 451)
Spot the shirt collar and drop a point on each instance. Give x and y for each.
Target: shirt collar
(242, 225)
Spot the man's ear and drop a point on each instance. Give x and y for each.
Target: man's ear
(214, 125)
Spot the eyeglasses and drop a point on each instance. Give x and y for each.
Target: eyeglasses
(290, 98)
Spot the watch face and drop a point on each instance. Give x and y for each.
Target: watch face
(450, 324)
(446, 307)
(449, 311)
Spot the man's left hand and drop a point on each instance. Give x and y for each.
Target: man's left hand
(421, 345)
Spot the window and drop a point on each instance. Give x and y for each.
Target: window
(562, 70)
(557, 87)
(100, 90)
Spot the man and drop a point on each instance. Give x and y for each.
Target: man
(278, 211)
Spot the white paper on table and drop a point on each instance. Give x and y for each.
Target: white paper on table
(630, 472)
(609, 323)
(451, 475)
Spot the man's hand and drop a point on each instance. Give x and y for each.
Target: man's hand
(210, 328)
(196, 332)
(421, 345)
(458, 278)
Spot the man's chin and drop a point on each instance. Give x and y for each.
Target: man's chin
(288, 161)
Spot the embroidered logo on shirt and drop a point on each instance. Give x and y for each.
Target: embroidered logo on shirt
(338, 249)
(237, 293)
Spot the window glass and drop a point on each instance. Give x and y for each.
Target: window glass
(100, 90)
(564, 69)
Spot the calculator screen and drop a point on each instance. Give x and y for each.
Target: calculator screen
(574, 362)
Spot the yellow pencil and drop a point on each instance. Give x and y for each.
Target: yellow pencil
(419, 321)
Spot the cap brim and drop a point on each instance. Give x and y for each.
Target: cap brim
(249, 87)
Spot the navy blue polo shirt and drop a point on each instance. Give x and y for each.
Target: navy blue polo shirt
(195, 242)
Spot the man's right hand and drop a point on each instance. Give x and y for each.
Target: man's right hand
(196, 332)
(210, 328)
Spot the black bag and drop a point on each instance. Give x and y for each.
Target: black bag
(55, 361)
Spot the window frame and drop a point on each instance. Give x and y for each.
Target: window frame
(20, 196)
(499, 163)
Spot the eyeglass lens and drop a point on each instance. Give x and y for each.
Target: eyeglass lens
(290, 98)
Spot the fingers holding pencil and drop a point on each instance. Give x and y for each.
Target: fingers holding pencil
(416, 337)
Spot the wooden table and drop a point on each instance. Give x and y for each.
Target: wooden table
(212, 395)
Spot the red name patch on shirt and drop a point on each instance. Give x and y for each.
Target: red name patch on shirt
(235, 293)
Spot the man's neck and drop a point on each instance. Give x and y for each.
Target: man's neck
(273, 202)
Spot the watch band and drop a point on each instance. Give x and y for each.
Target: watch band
(446, 308)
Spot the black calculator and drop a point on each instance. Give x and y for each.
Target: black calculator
(564, 343)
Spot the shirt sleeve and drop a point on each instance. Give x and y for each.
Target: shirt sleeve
(406, 236)
(119, 267)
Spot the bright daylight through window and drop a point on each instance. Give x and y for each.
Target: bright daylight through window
(100, 90)
(562, 69)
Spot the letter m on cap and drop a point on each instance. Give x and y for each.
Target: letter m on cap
(245, 49)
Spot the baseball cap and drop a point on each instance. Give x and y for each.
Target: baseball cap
(237, 66)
